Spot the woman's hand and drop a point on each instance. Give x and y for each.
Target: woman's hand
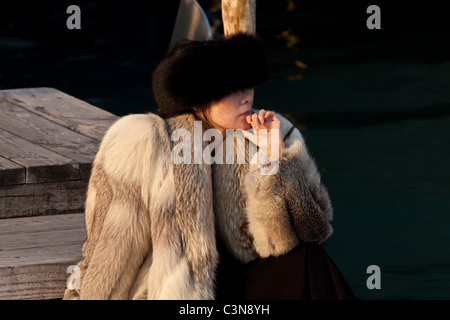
(265, 126)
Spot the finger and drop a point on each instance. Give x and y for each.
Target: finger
(250, 136)
(255, 129)
(248, 118)
(255, 122)
(261, 115)
(274, 118)
(269, 114)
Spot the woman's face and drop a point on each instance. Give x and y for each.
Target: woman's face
(231, 111)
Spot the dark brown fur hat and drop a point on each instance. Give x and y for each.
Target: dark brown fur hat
(195, 73)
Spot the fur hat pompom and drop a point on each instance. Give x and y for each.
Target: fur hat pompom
(195, 73)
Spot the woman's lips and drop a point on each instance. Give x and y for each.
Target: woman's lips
(246, 113)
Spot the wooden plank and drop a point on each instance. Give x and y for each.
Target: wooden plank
(42, 165)
(42, 199)
(44, 255)
(10, 172)
(37, 282)
(34, 240)
(37, 269)
(50, 135)
(63, 109)
(41, 224)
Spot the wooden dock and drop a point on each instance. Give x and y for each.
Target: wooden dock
(48, 140)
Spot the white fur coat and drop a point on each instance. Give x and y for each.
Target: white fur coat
(152, 224)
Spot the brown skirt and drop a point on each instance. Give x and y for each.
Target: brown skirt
(304, 273)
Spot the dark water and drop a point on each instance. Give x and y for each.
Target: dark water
(373, 105)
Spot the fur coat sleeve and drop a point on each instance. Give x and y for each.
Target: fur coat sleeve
(291, 204)
(117, 212)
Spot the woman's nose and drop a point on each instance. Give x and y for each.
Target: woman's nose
(248, 96)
